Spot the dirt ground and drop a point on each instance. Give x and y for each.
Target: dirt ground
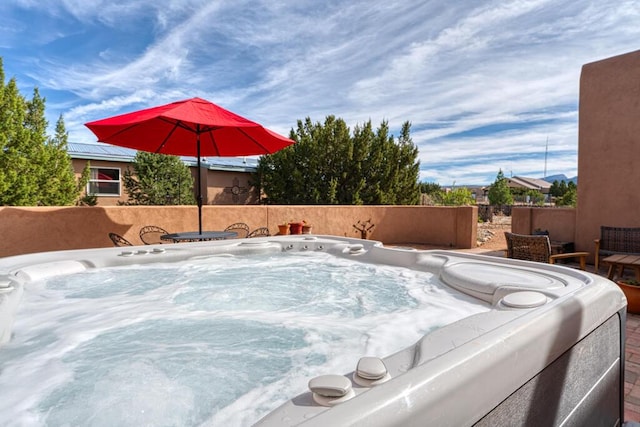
(491, 234)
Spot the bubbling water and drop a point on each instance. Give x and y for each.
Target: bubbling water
(214, 341)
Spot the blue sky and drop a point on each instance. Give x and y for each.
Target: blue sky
(485, 84)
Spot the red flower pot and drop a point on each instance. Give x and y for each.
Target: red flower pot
(295, 227)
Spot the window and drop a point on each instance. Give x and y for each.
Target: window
(104, 182)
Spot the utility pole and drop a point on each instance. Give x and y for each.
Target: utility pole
(546, 150)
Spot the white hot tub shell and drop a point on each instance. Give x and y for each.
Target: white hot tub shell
(549, 352)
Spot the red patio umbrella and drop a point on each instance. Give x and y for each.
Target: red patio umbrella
(193, 127)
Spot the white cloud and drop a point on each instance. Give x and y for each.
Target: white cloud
(511, 68)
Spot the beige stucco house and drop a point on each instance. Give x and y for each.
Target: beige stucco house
(525, 183)
(225, 180)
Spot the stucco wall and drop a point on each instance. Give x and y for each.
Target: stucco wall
(560, 222)
(609, 147)
(608, 157)
(38, 229)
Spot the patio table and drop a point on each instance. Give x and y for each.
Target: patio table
(617, 263)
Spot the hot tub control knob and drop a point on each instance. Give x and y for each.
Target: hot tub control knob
(371, 371)
(356, 249)
(329, 390)
(5, 284)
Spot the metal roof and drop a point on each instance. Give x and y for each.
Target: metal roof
(531, 183)
(113, 153)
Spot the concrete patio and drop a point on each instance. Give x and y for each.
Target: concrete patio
(632, 369)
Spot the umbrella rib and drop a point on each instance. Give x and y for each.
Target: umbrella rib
(213, 141)
(126, 129)
(181, 123)
(198, 131)
(164, 141)
(254, 140)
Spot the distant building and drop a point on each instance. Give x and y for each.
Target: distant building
(529, 184)
(225, 180)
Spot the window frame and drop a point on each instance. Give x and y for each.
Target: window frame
(110, 181)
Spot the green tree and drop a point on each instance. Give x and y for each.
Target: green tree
(34, 169)
(329, 165)
(564, 193)
(430, 188)
(570, 198)
(158, 179)
(499, 193)
(431, 193)
(460, 196)
(81, 185)
(58, 180)
(535, 197)
(18, 186)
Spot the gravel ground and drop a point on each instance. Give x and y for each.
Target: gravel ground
(491, 234)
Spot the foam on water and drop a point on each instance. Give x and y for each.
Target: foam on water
(215, 341)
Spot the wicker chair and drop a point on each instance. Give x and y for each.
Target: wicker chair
(260, 232)
(239, 227)
(118, 240)
(538, 248)
(616, 240)
(150, 235)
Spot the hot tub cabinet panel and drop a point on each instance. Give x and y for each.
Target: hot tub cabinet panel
(580, 388)
(549, 352)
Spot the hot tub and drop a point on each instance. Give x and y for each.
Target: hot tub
(547, 347)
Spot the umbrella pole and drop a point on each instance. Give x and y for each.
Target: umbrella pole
(199, 181)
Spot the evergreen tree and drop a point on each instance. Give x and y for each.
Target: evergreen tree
(564, 193)
(81, 185)
(34, 170)
(37, 153)
(60, 184)
(4, 137)
(18, 186)
(554, 190)
(328, 165)
(158, 179)
(562, 189)
(407, 189)
(569, 198)
(499, 193)
(430, 188)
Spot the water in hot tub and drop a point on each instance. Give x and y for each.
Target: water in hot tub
(216, 341)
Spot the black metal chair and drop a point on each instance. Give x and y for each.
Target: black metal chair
(260, 232)
(239, 227)
(118, 240)
(150, 235)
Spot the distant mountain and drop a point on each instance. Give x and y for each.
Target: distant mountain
(561, 177)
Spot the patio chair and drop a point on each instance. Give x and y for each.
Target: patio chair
(538, 248)
(150, 235)
(260, 232)
(239, 227)
(118, 240)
